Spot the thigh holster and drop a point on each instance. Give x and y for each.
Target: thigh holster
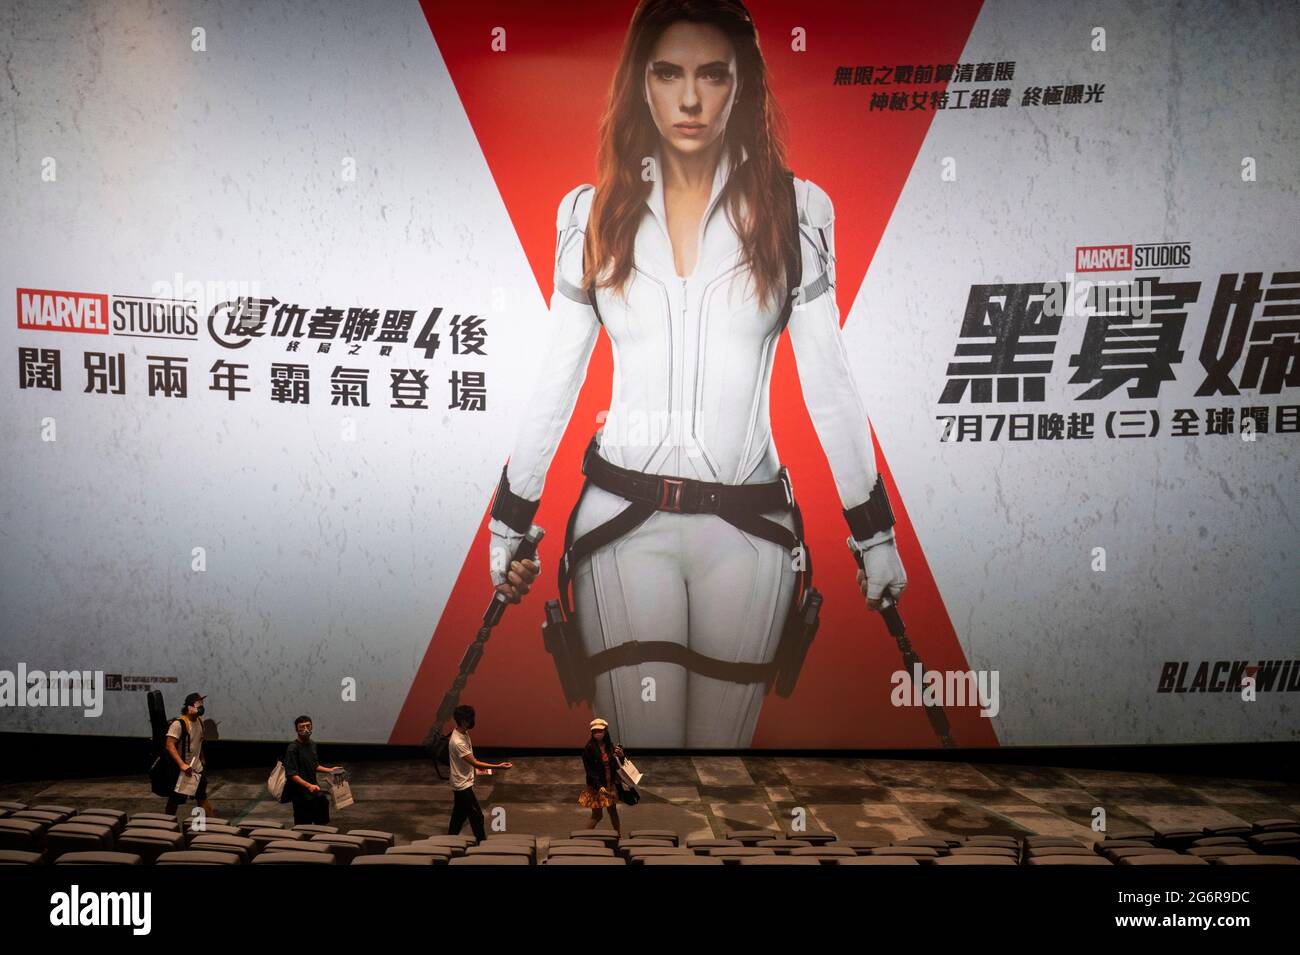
(741, 505)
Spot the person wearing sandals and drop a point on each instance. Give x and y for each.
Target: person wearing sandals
(601, 758)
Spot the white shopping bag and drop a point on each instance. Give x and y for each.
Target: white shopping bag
(275, 782)
(629, 773)
(340, 791)
(187, 784)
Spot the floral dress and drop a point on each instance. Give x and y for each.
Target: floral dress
(592, 797)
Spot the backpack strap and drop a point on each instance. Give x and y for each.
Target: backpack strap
(185, 735)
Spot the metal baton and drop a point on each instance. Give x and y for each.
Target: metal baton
(894, 623)
(526, 550)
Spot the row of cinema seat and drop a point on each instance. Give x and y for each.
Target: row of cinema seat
(64, 836)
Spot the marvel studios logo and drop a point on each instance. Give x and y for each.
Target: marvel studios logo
(1133, 258)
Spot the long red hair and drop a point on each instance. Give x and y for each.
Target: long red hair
(628, 135)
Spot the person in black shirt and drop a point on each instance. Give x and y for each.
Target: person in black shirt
(301, 764)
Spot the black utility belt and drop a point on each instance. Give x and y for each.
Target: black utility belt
(741, 505)
(686, 495)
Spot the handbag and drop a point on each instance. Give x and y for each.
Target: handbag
(275, 782)
(628, 777)
(340, 793)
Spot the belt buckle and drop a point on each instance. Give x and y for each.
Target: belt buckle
(784, 475)
(670, 495)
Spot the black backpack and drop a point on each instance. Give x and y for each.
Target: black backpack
(440, 752)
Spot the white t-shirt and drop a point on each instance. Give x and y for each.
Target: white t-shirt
(458, 748)
(195, 727)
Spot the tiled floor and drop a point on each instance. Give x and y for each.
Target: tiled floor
(885, 799)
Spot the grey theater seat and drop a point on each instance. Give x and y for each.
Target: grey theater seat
(248, 825)
(1234, 830)
(812, 838)
(1275, 842)
(591, 851)
(748, 837)
(1178, 838)
(239, 846)
(434, 842)
(782, 846)
(157, 816)
(198, 857)
(208, 821)
(264, 837)
(99, 858)
(385, 859)
(22, 834)
(301, 845)
(683, 859)
(491, 860)
(38, 815)
(1106, 845)
(1264, 825)
(914, 852)
(21, 857)
(114, 819)
(653, 834)
(702, 845)
(627, 844)
(437, 854)
(826, 851)
(524, 852)
(1134, 852)
(647, 852)
(860, 846)
(10, 806)
(733, 854)
(1143, 835)
(974, 860)
(1256, 860)
(294, 857)
(1215, 852)
(1173, 858)
(524, 837)
(71, 837)
(880, 860)
(1003, 851)
(211, 830)
(312, 829)
(781, 860)
(149, 844)
(1206, 842)
(584, 860)
(1043, 842)
(1040, 852)
(580, 843)
(376, 839)
(1009, 841)
(64, 811)
(603, 835)
(932, 842)
(163, 825)
(1090, 859)
(346, 848)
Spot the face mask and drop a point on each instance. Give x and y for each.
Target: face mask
(200, 711)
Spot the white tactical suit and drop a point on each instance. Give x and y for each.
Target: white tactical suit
(693, 360)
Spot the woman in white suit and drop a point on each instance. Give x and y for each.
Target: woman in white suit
(684, 254)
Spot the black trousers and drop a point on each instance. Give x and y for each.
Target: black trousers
(313, 808)
(465, 806)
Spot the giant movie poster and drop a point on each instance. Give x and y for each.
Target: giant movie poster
(288, 285)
